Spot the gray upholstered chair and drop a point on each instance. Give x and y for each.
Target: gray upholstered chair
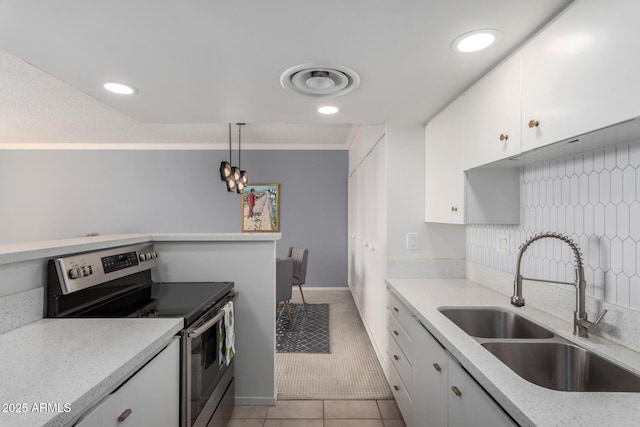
(300, 257)
(284, 272)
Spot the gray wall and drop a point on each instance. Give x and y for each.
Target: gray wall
(53, 194)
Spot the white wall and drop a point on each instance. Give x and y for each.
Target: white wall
(441, 247)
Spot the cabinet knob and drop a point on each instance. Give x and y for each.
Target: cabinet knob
(396, 388)
(124, 415)
(396, 333)
(454, 209)
(504, 137)
(456, 391)
(533, 123)
(396, 357)
(437, 367)
(396, 309)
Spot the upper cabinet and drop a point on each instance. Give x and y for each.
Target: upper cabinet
(453, 196)
(580, 73)
(492, 116)
(444, 177)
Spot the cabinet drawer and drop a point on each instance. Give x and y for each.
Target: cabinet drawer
(403, 399)
(150, 397)
(401, 364)
(400, 313)
(400, 337)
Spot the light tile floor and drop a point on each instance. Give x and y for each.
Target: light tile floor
(320, 413)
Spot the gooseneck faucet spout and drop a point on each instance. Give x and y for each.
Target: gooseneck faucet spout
(581, 325)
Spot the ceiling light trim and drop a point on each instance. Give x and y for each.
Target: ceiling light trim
(320, 80)
(474, 41)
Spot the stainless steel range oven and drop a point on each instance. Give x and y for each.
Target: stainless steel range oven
(117, 283)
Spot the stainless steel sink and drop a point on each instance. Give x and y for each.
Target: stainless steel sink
(488, 322)
(563, 367)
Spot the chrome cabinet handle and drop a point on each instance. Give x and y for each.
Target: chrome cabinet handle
(124, 415)
(456, 391)
(437, 367)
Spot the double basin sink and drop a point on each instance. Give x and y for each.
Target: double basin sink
(538, 355)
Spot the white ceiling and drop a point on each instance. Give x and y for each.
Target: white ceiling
(199, 64)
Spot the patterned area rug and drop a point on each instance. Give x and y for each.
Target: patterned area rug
(312, 329)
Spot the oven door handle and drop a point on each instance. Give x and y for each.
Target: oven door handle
(206, 326)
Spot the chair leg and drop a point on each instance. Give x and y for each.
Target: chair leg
(286, 306)
(303, 301)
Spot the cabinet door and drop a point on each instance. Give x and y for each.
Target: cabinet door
(492, 116)
(150, 397)
(444, 176)
(470, 405)
(581, 72)
(429, 380)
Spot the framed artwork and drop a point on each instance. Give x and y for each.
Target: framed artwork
(261, 208)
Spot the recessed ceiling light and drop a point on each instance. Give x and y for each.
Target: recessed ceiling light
(119, 88)
(475, 40)
(328, 109)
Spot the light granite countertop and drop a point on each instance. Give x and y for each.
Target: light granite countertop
(71, 364)
(527, 403)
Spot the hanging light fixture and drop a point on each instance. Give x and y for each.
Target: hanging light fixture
(235, 178)
(225, 167)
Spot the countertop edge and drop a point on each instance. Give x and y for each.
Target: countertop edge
(27, 251)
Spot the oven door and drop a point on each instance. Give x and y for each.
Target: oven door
(205, 379)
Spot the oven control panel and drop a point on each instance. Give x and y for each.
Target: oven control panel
(82, 271)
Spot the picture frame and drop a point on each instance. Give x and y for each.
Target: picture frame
(261, 211)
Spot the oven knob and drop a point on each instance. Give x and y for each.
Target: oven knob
(143, 257)
(75, 273)
(154, 254)
(86, 270)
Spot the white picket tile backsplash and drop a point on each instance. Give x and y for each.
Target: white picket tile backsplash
(594, 198)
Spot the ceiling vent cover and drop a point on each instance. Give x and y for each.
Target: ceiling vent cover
(320, 81)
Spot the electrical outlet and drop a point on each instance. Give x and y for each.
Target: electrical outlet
(502, 243)
(412, 241)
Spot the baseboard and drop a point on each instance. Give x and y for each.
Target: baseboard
(324, 288)
(257, 401)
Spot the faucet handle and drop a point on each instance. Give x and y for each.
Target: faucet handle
(600, 316)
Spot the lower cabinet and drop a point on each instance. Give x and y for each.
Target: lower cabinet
(400, 355)
(444, 394)
(149, 398)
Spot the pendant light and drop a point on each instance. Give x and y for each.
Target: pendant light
(231, 182)
(225, 167)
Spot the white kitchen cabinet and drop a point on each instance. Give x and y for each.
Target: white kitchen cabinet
(444, 176)
(367, 190)
(491, 118)
(445, 394)
(400, 355)
(453, 196)
(149, 398)
(581, 72)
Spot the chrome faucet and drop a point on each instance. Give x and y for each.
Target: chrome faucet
(581, 325)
